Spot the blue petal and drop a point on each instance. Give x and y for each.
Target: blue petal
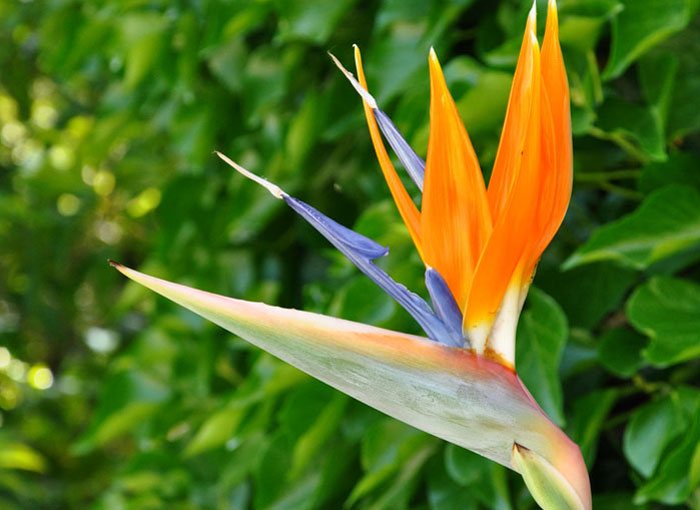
(361, 251)
(443, 301)
(413, 164)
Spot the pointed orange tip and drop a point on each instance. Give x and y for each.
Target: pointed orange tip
(407, 209)
(434, 63)
(531, 25)
(114, 264)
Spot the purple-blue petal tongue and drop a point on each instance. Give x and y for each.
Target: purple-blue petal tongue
(443, 301)
(361, 250)
(413, 164)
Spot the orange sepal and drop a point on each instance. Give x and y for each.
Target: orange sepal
(557, 151)
(515, 125)
(501, 263)
(455, 218)
(407, 209)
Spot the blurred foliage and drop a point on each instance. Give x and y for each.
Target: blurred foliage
(109, 113)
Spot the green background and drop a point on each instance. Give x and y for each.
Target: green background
(111, 397)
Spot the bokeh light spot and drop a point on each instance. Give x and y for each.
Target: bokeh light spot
(144, 203)
(103, 182)
(40, 377)
(68, 204)
(61, 157)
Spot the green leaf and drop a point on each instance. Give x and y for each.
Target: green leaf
(310, 20)
(128, 399)
(267, 379)
(667, 223)
(641, 25)
(589, 415)
(386, 448)
(581, 22)
(14, 455)
(620, 351)
(651, 428)
(361, 300)
(681, 168)
(318, 432)
(684, 112)
(541, 337)
(484, 479)
(668, 311)
(632, 125)
(445, 494)
(271, 472)
(143, 35)
(603, 284)
(694, 473)
(671, 484)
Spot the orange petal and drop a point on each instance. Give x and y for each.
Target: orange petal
(455, 218)
(507, 163)
(557, 153)
(407, 209)
(500, 265)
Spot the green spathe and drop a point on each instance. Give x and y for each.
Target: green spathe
(448, 392)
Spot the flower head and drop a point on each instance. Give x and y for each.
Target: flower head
(480, 247)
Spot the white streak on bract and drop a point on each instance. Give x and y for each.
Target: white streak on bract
(502, 336)
(369, 99)
(274, 190)
(478, 335)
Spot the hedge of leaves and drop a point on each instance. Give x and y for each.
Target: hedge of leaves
(112, 398)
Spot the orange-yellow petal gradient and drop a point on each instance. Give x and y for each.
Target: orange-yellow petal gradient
(455, 217)
(557, 155)
(513, 229)
(507, 163)
(407, 209)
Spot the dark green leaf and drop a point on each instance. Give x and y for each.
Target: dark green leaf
(542, 334)
(589, 416)
(667, 223)
(620, 351)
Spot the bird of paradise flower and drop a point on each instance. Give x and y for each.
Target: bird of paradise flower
(480, 247)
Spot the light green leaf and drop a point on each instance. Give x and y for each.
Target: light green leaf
(671, 483)
(144, 36)
(542, 334)
(581, 22)
(312, 21)
(641, 25)
(694, 474)
(651, 428)
(666, 224)
(14, 455)
(668, 311)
